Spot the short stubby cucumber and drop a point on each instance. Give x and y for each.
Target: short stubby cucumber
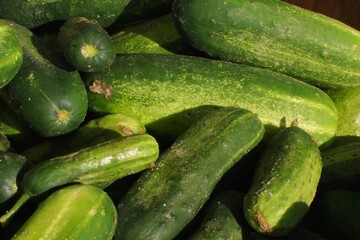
(86, 45)
(167, 197)
(166, 99)
(275, 35)
(11, 54)
(285, 183)
(74, 212)
(102, 163)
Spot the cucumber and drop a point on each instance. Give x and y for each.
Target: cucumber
(167, 197)
(86, 45)
(223, 218)
(275, 35)
(338, 214)
(157, 35)
(11, 54)
(4, 142)
(284, 184)
(11, 164)
(347, 102)
(101, 163)
(149, 88)
(74, 212)
(93, 132)
(52, 100)
(341, 167)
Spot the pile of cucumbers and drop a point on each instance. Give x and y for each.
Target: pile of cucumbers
(177, 119)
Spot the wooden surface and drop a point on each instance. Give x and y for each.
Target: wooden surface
(347, 11)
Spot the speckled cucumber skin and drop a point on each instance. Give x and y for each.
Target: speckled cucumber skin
(149, 88)
(11, 54)
(165, 199)
(74, 212)
(284, 184)
(275, 35)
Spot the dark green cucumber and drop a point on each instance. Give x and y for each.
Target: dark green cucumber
(223, 218)
(93, 132)
(74, 212)
(52, 100)
(341, 167)
(10, 166)
(167, 197)
(4, 142)
(275, 35)
(152, 36)
(11, 54)
(86, 45)
(338, 214)
(149, 88)
(347, 101)
(284, 184)
(101, 163)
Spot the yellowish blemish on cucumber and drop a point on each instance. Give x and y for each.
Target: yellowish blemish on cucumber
(101, 88)
(63, 116)
(263, 224)
(88, 50)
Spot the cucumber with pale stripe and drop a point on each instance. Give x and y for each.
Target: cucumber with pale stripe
(168, 92)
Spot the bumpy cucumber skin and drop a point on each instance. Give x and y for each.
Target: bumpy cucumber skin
(157, 35)
(273, 35)
(10, 166)
(165, 198)
(104, 162)
(11, 54)
(52, 100)
(149, 88)
(78, 33)
(74, 212)
(284, 184)
(93, 132)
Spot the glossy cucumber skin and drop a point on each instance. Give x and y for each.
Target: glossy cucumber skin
(275, 35)
(86, 45)
(74, 212)
(157, 35)
(95, 131)
(165, 198)
(52, 100)
(284, 184)
(149, 88)
(11, 54)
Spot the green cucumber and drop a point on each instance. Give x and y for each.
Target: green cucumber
(341, 167)
(11, 54)
(167, 197)
(284, 184)
(86, 45)
(93, 132)
(52, 100)
(74, 212)
(338, 214)
(102, 163)
(223, 218)
(11, 165)
(157, 35)
(166, 99)
(275, 35)
(4, 142)
(347, 101)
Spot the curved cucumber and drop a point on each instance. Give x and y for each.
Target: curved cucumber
(165, 198)
(86, 45)
(275, 35)
(149, 88)
(284, 184)
(98, 164)
(11, 54)
(52, 100)
(74, 212)
(93, 132)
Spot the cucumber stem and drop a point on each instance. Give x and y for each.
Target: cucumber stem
(21, 201)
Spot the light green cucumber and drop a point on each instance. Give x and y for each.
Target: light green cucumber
(285, 183)
(167, 99)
